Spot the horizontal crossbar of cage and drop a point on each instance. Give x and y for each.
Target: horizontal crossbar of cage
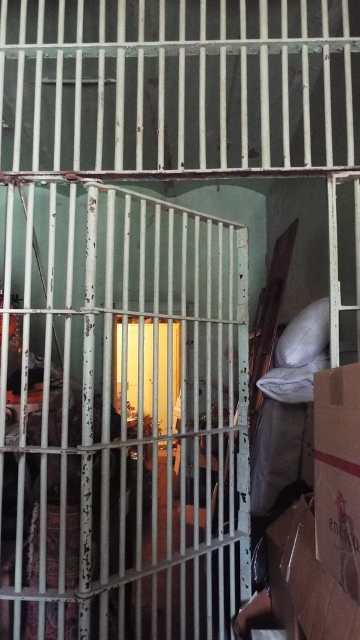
(191, 47)
(163, 204)
(41, 178)
(32, 594)
(120, 444)
(347, 307)
(343, 176)
(52, 312)
(149, 569)
(164, 316)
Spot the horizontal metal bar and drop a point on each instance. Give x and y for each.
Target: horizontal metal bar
(349, 307)
(54, 312)
(117, 444)
(172, 48)
(32, 594)
(149, 569)
(42, 178)
(146, 314)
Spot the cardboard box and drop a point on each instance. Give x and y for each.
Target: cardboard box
(337, 474)
(323, 609)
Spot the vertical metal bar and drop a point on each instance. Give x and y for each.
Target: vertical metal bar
(306, 85)
(335, 299)
(106, 412)
(196, 428)
(140, 90)
(101, 89)
(181, 114)
(169, 466)
(124, 364)
(45, 408)
(221, 435)
(285, 83)
(208, 428)
(3, 23)
(20, 88)
(183, 466)
(161, 107)
(327, 85)
(231, 456)
(155, 416)
(65, 408)
(38, 86)
(223, 128)
(3, 381)
(120, 87)
(87, 414)
(264, 87)
(140, 426)
(59, 87)
(348, 86)
(357, 257)
(243, 472)
(202, 88)
(78, 85)
(243, 90)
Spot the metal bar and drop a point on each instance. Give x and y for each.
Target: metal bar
(120, 87)
(223, 101)
(106, 411)
(19, 89)
(196, 429)
(348, 86)
(65, 407)
(78, 85)
(170, 435)
(59, 87)
(140, 90)
(264, 87)
(3, 24)
(45, 409)
(327, 84)
(181, 107)
(357, 257)
(243, 89)
(38, 87)
(220, 383)
(212, 47)
(87, 414)
(285, 84)
(140, 424)
(148, 314)
(243, 471)
(184, 461)
(124, 365)
(335, 298)
(305, 85)
(101, 88)
(161, 98)
(202, 88)
(231, 445)
(155, 417)
(209, 429)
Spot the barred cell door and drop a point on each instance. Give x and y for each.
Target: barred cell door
(109, 541)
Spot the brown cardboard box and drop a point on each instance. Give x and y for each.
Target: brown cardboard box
(337, 474)
(323, 609)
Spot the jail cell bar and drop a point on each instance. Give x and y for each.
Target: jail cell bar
(166, 115)
(218, 324)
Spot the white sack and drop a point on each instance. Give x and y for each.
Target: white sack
(293, 385)
(305, 337)
(277, 453)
